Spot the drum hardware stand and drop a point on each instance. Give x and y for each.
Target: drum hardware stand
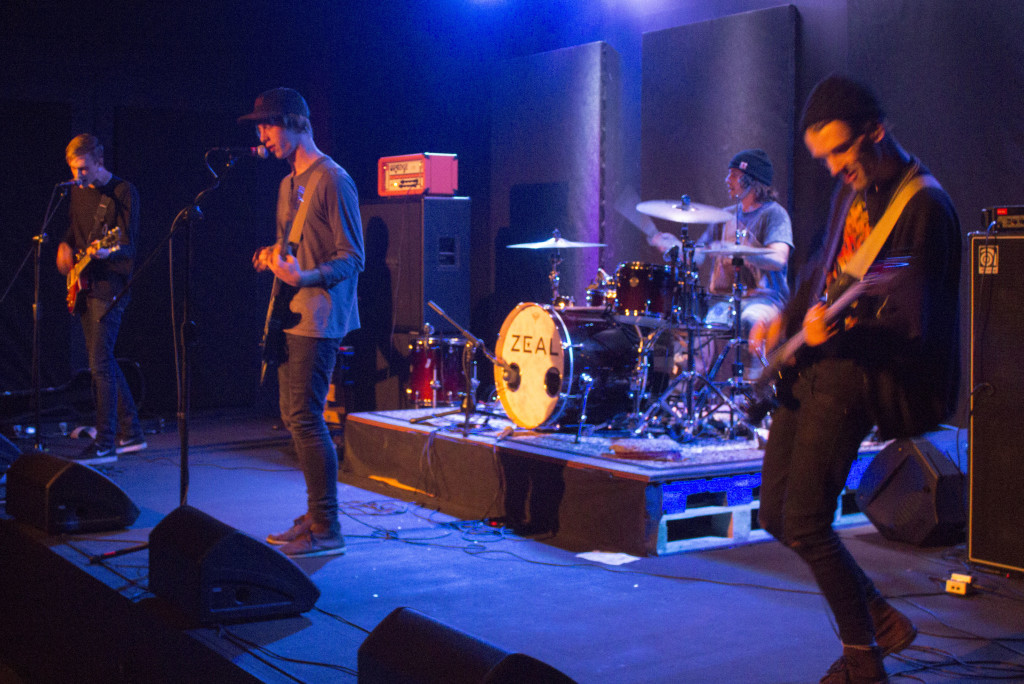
(687, 316)
(468, 407)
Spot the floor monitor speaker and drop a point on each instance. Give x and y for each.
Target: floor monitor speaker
(407, 647)
(914, 493)
(214, 573)
(60, 496)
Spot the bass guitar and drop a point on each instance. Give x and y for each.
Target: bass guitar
(78, 280)
(762, 395)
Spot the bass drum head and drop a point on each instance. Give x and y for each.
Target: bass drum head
(531, 340)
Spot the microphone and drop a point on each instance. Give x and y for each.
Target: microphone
(235, 152)
(68, 184)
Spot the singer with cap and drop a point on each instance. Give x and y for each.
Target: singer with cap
(101, 202)
(760, 221)
(317, 259)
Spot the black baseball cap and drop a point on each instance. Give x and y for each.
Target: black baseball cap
(277, 103)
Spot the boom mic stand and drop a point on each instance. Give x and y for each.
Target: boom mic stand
(184, 337)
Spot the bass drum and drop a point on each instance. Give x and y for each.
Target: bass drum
(555, 354)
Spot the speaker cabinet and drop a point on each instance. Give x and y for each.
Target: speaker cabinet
(997, 393)
(408, 647)
(417, 251)
(60, 496)
(913, 493)
(214, 573)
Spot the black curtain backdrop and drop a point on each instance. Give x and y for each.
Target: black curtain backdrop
(710, 90)
(386, 80)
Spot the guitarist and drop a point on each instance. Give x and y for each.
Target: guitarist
(890, 362)
(101, 201)
(317, 259)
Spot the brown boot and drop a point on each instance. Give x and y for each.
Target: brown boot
(857, 665)
(893, 630)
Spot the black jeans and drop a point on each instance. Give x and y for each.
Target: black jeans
(811, 446)
(303, 379)
(116, 414)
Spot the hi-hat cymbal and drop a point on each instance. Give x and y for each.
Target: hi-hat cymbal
(728, 249)
(555, 243)
(683, 212)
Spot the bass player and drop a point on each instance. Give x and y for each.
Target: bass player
(891, 361)
(316, 262)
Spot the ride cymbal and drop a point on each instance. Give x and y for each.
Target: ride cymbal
(680, 211)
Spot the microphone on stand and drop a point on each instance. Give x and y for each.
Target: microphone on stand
(236, 152)
(68, 184)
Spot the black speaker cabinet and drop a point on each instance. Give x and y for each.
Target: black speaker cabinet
(408, 647)
(60, 496)
(214, 573)
(997, 393)
(913, 493)
(417, 251)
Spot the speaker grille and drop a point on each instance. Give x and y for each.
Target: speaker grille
(997, 392)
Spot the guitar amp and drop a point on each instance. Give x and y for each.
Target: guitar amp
(1004, 218)
(418, 174)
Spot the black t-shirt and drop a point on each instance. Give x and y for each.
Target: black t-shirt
(107, 276)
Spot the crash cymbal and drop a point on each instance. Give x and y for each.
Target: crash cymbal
(727, 249)
(681, 211)
(555, 243)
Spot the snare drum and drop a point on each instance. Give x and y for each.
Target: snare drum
(643, 293)
(436, 377)
(559, 359)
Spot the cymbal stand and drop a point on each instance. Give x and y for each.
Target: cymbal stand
(687, 317)
(735, 345)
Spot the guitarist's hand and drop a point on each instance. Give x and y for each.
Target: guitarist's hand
(765, 336)
(816, 330)
(65, 258)
(285, 267)
(261, 259)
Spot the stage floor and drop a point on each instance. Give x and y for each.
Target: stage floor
(703, 616)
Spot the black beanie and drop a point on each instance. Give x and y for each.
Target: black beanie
(839, 98)
(754, 163)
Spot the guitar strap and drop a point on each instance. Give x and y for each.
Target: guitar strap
(101, 214)
(865, 255)
(295, 234)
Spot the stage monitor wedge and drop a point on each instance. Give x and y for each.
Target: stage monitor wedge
(214, 573)
(60, 496)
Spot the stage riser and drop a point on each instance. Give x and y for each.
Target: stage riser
(564, 501)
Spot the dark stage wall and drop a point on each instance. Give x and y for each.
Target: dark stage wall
(162, 83)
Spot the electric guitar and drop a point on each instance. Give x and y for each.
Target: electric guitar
(78, 281)
(762, 395)
(279, 318)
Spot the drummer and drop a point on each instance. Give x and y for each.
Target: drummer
(762, 222)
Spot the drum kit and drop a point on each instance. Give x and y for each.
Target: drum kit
(627, 360)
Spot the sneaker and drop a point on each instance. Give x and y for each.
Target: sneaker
(311, 543)
(298, 528)
(131, 444)
(861, 665)
(94, 454)
(893, 630)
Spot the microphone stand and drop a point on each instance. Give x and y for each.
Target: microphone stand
(469, 372)
(184, 337)
(37, 249)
